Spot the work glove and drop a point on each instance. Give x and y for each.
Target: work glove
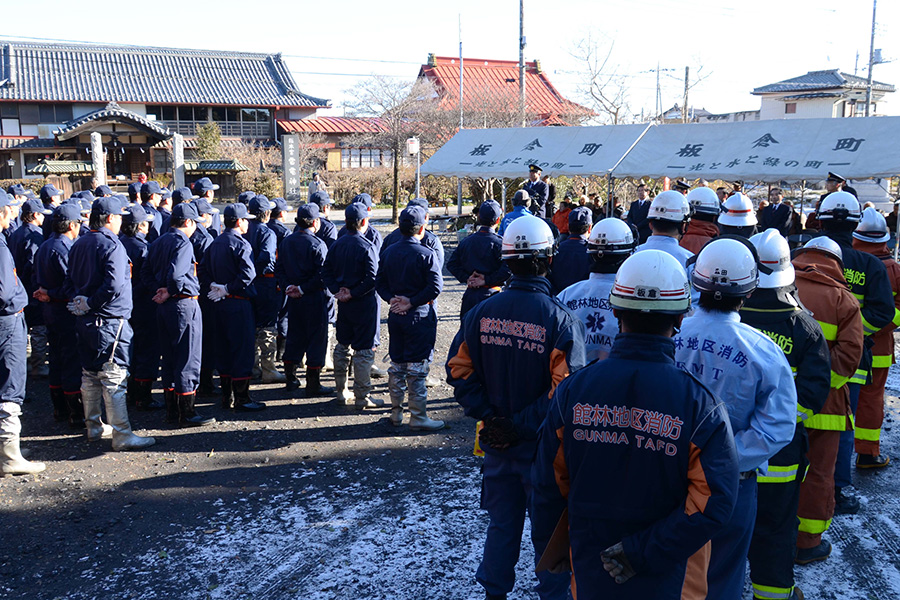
(79, 306)
(217, 291)
(616, 563)
(499, 433)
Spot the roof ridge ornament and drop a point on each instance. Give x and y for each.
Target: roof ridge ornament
(112, 105)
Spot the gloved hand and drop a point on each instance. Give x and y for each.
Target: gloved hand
(217, 291)
(616, 563)
(79, 306)
(499, 433)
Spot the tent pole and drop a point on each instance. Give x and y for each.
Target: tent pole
(459, 195)
(610, 183)
(503, 196)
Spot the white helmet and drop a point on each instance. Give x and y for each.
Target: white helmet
(704, 200)
(727, 267)
(611, 236)
(775, 268)
(651, 281)
(527, 237)
(872, 227)
(739, 211)
(839, 206)
(825, 245)
(670, 206)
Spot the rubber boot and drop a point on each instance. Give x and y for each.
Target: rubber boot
(37, 362)
(267, 348)
(290, 374)
(188, 415)
(227, 392)
(362, 382)
(329, 360)
(92, 400)
(60, 408)
(242, 400)
(123, 438)
(76, 410)
(144, 396)
(342, 356)
(397, 390)
(418, 396)
(207, 385)
(314, 387)
(11, 460)
(171, 405)
(279, 348)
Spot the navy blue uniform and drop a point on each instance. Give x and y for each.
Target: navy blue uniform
(265, 249)
(429, 241)
(479, 252)
(145, 357)
(640, 452)
(229, 262)
(327, 232)
(24, 243)
(570, 265)
(201, 240)
(511, 352)
(13, 332)
(156, 229)
(408, 268)
(170, 264)
(99, 269)
(281, 232)
(540, 194)
(300, 262)
(372, 234)
(352, 263)
(51, 264)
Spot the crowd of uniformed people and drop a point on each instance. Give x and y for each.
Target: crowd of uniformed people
(666, 394)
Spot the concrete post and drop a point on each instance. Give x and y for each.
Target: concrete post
(178, 159)
(98, 158)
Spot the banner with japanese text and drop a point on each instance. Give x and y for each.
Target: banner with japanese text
(290, 157)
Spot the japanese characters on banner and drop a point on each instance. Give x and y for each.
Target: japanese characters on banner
(774, 150)
(290, 157)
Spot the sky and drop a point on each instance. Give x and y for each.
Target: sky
(732, 47)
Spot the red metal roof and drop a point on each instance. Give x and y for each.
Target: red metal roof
(499, 79)
(333, 125)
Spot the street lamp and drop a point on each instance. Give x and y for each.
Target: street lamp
(412, 147)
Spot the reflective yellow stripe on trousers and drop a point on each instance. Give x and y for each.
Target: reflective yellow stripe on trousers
(768, 592)
(860, 377)
(881, 361)
(814, 526)
(868, 435)
(779, 474)
(828, 422)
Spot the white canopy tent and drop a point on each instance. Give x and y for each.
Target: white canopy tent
(769, 151)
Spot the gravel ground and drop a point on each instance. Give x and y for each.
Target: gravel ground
(310, 501)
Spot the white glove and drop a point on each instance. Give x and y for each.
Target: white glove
(79, 306)
(216, 292)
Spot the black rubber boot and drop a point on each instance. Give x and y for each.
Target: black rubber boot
(290, 372)
(187, 415)
(279, 348)
(76, 410)
(314, 387)
(60, 408)
(227, 392)
(171, 405)
(207, 386)
(242, 401)
(143, 391)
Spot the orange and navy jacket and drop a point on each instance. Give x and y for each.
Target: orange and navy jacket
(510, 353)
(825, 294)
(698, 235)
(641, 452)
(883, 349)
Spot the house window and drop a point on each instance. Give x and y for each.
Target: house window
(790, 108)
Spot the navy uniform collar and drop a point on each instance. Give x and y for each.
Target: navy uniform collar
(643, 346)
(530, 283)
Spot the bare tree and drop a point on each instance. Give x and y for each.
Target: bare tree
(602, 87)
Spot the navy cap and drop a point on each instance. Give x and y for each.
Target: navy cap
(204, 184)
(16, 190)
(205, 208)
(681, 185)
(308, 211)
(68, 212)
(355, 212)
(521, 198)
(49, 191)
(364, 199)
(186, 210)
(85, 195)
(151, 187)
(34, 206)
(238, 211)
(489, 212)
(245, 197)
(321, 198)
(5, 200)
(580, 214)
(534, 168)
(167, 193)
(835, 177)
(134, 189)
(419, 202)
(182, 194)
(31, 194)
(103, 190)
(109, 205)
(136, 214)
(260, 203)
(281, 204)
(413, 216)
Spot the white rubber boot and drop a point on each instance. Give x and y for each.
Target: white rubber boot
(123, 438)
(267, 343)
(362, 382)
(11, 460)
(342, 356)
(418, 396)
(397, 389)
(92, 399)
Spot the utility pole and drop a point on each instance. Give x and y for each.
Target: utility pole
(684, 109)
(522, 62)
(871, 60)
(459, 179)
